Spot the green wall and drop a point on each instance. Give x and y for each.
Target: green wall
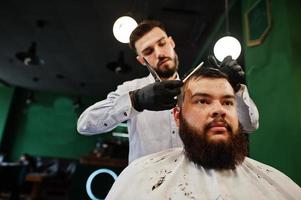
(45, 127)
(6, 94)
(273, 76)
(219, 31)
(274, 81)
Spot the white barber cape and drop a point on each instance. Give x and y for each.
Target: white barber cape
(170, 175)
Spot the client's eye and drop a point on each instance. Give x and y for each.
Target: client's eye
(229, 103)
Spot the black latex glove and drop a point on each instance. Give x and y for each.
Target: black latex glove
(231, 68)
(156, 96)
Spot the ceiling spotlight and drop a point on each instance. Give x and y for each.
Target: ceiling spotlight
(30, 56)
(82, 84)
(77, 102)
(35, 79)
(227, 45)
(40, 23)
(123, 28)
(29, 97)
(60, 76)
(119, 66)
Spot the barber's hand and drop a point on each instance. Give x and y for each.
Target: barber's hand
(156, 96)
(231, 68)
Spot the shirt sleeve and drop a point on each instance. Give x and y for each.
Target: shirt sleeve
(105, 115)
(247, 111)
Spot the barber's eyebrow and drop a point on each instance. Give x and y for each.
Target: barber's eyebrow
(147, 48)
(202, 94)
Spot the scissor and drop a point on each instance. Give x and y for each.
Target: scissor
(156, 76)
(152, 71)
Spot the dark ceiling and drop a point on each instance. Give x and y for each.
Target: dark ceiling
(74, 43)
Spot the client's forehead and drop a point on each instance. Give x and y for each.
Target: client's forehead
(209, 86)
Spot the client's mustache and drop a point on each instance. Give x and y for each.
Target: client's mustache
(218, 122)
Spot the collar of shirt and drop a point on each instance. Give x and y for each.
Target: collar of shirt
(152, 79)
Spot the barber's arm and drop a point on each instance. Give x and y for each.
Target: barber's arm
(248, 114)
(126, 102)
(105, 115)
(247, 110)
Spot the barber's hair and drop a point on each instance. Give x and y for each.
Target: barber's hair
(143, 28)
(203, 72)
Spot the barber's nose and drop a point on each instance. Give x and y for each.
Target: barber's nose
(158, 52)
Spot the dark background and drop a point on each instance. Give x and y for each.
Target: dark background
(40, 104)
(75, 43)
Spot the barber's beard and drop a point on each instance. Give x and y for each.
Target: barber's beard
(213, 155)
(170, 71)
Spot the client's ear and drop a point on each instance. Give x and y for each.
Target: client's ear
(176, 114)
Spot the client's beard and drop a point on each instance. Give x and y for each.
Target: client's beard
(213, 155)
